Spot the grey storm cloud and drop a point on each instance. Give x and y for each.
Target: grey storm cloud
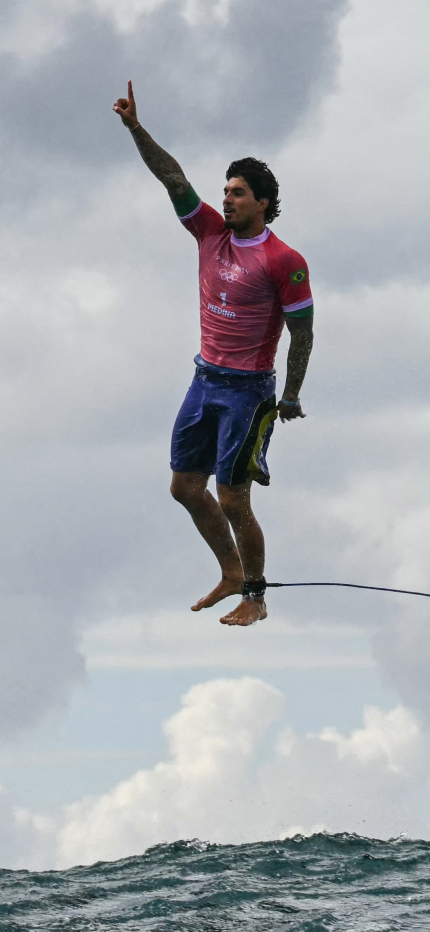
(403, 652)
(350, 256)
(85, 520)
(39, 662)
(247, 81)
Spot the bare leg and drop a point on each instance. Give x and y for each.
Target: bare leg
(235, 502)
(190, 489)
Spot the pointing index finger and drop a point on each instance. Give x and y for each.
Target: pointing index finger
(130, 91)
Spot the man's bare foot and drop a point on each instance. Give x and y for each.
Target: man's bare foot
(246, 613)
(228, 586)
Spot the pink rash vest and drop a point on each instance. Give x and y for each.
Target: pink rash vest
(247, 286)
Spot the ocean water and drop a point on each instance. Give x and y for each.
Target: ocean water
(326, 882)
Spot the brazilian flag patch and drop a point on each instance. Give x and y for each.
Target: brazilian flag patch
(297, 278)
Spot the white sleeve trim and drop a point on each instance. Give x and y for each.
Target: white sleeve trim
(193, 212)
(298, 305)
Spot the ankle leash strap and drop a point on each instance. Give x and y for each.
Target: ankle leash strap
(254, 588)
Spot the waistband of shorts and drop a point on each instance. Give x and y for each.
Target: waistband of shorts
(234, 378)
(224, 370)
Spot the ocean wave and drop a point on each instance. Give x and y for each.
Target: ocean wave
(300, 884)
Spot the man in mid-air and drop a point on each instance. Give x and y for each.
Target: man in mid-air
(250, 284)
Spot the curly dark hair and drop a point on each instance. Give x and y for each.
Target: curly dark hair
(261, 181)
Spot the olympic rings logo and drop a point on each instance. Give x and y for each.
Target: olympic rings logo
(228, 276)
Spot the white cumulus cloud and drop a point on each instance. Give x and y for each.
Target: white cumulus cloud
(195, 794)
(237, 772)
(387, 736)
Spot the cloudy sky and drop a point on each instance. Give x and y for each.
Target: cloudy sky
(125, 720)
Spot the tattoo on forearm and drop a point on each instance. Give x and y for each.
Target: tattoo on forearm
(160, 163)
(298, 358)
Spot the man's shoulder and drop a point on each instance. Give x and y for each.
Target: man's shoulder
(287, 270)
(278, 251)
(213, 223)
(208, 226)
(197, 217)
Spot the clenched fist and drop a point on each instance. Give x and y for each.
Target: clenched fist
(290, 412)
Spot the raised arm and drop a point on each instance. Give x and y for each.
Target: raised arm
(298, 358)
(159, 162)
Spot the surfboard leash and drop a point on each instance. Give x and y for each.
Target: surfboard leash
(276, 585)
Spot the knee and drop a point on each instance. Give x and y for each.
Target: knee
(178, 490)
(231, 503)
(185, 491)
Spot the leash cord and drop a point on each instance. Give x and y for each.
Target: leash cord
(276, 585)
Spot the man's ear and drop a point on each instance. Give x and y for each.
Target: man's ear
(264, 202)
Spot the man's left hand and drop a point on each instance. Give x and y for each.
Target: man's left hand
(290, 411)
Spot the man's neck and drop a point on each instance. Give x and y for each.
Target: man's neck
(250, 232)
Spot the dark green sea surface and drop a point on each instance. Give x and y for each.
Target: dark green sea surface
(326, 882)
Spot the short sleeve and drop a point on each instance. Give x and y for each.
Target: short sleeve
(197, 217)
(290, 274)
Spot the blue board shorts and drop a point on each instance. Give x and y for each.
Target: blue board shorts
(224, 426)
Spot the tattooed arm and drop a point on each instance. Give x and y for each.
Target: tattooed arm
(298, 358)
(159, 162)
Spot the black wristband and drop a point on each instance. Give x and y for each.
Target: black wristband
(254, 588)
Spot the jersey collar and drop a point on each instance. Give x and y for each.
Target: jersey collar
(253, 241)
